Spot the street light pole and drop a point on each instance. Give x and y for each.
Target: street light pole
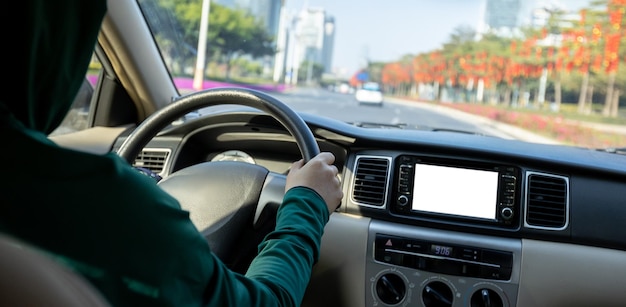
(198, 77)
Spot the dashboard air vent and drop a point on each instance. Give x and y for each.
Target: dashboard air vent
(546, 201)
(153, 159)
(371, 178)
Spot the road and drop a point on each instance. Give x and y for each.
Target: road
(344, 107)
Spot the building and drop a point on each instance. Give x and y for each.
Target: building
(506, 17)
(310, 37)
(540, 16)
(329, 43)
(502, 14)
(301, 37)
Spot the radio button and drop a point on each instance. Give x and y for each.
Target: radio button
(383, 242)
(470, 254)
(415, 246)
(507, 203)
(403, 200)
(506, 213)
(503, 259)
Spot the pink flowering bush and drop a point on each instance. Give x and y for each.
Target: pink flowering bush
(553, 126)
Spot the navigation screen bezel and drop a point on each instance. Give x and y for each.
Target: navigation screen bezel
(506, 192)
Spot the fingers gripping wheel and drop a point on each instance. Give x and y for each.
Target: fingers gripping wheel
(246, 97)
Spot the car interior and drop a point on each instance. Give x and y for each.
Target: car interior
(429, 218)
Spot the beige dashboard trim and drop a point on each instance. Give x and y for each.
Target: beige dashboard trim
(338, 278)
(559, 274)
(96, 140)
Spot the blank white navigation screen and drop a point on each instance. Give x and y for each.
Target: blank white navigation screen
(456, 191)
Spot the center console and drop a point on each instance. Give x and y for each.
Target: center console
(413, 266)
(430, 241)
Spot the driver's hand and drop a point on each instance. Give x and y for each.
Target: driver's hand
(320, 175)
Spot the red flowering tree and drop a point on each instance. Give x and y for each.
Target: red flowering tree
(397, 76)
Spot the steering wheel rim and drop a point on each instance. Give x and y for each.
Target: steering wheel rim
(233, 204)
(149, 128)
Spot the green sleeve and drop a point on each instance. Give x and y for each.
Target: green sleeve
(280, 273)
(135, 244)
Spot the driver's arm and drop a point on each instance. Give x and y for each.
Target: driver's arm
(278, 276)
(137, 246)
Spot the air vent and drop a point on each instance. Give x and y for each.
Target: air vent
(371, 178)
(546, 201)
(153, 159)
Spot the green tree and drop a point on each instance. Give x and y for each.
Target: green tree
(232, 33)
(458, 53)
(598, 33)
(178, 50)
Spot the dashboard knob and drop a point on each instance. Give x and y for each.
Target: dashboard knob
(437, 294)
(486, 298)
(403, 200)
(506, 213)
(390, 289)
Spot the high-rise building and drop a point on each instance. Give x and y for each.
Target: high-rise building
(311, 41)
(501, 14)
(310, 34)
(506, 17)
(303, 37)
(328, 44)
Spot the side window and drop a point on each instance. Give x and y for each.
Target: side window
(78, 116)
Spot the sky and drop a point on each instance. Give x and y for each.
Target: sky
(385, 30)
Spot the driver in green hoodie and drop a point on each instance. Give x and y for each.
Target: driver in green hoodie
(132, 241)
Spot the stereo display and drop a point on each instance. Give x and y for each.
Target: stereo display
(462, 190)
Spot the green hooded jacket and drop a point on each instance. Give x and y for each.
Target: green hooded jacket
(101, 217)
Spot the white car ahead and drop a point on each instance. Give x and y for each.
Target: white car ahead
(370, 93)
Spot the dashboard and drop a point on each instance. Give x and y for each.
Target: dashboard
(439, 218)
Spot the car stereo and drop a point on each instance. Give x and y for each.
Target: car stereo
(460, 260)
(452, 190)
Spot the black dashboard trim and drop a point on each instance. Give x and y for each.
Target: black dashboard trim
(597, 179)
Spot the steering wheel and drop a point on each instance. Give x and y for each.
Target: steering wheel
(233, 204)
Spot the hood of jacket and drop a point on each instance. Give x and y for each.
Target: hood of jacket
(50, 44)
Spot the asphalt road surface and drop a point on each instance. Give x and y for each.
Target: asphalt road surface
(344, 107)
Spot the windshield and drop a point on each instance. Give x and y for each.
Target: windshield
(537, 71)
(371, 86)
